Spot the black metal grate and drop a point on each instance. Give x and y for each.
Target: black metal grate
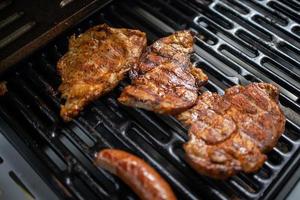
(237, 42)
(28, 25)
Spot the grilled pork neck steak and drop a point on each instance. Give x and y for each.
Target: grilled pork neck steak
(231, 133)
(165, 80)
(95, 63)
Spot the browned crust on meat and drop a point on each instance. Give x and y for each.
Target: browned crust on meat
(165, 81)
(95, 63)
(229, 134)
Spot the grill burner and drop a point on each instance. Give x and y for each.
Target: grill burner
(237, 42)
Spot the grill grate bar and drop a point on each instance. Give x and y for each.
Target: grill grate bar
(290, 94)
(270, 13)
(56, 145)
(72, 163)
(134, 146)
(243, 71)
(227, 58)
(265, 46)
(283, 9)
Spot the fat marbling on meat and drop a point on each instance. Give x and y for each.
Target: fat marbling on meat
(95, 63)
(165, 81)
(229, 134)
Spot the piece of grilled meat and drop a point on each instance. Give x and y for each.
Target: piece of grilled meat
(95, 63)
(231, 133)
(165, 81)
(3, 88)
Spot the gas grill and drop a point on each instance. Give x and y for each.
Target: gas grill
(237, 42)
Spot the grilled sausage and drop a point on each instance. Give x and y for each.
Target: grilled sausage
(142, 178)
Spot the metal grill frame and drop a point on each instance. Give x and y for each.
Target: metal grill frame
(228, 52)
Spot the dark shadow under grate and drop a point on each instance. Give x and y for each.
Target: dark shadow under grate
(237, 42)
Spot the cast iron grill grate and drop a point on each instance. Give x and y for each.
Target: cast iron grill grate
(28, 25)
(237, 42)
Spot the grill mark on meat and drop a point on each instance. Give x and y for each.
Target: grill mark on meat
(152, 59)
(166, 75)
(255, 130)
(95, 63)
(182, 80)
(173, 77)
(260, 132)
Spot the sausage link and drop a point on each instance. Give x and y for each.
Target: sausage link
(135, 172)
